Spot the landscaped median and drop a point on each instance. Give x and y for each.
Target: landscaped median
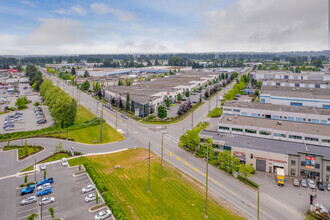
(85, 130)
(24, 151)
(173, 195)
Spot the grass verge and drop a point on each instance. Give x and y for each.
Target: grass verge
(173, 195)
(22, 152)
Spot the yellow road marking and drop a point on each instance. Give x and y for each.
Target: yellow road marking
(195, 169)
(171, 154)
(177, 158)
(186, 163)
(111, 116)
(119, 120)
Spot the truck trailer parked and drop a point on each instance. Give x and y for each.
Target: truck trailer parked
(280, 176)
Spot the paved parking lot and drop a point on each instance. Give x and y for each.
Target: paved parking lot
(66, 189)
(29, 121)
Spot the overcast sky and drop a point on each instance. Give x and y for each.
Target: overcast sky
(161, 26)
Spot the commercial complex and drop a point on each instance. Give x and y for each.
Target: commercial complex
(297, 159)
(319, 98)
(276, 129)
(146, 95)
(288, 75)
(317, 84)
(278, 112)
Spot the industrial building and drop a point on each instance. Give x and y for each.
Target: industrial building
(297, 159)
(276, 129)
(146, 95)
(317, 84)
(288, 75)
(278, 112)
(319, 98)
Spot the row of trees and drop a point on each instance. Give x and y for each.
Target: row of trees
(62, 107)
(35, 76)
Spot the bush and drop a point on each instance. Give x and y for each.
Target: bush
(107, 196)
(248, 181)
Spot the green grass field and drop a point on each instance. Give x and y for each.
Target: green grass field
(173, 194)
(90, 134)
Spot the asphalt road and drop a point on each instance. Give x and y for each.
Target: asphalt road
(237, 195)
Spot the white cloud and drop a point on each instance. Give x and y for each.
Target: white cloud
(56, 32)
(73, 10)
(26, 2)
(259, 25)
(125, 16)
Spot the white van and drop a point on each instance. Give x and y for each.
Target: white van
(64, 162)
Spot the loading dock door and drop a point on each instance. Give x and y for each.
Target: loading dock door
(261, 165)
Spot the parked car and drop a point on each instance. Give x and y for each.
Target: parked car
(295, 182)
(320, 185)
(64, 162)
(124, 116)
(90, 197)
(42, 167)
(103, 215)
(47, 200)
(321, 210)
(44, 191)
(46, 185)
(235, 98)
(88, 189)
(41, 121)
(8, 128)
(311, 184)
(27, 190)
(303, 183)
(328, 186)
(29, 200)
(46, 180)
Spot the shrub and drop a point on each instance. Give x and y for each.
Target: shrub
(248, 181)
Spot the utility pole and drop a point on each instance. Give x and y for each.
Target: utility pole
(116, 120)
(41, 207)
(149, 170)
(209, 106)
(207, 178)
(97, 107)
(258, 205)
(79, 104)
(162, 148)
(192, 120)
(35, 171)
(101, 125)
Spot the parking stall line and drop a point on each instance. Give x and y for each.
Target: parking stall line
(27, 210)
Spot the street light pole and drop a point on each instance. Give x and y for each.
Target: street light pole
(101, 125)
(258, 205)
(192, 120)
(207, 178)
(116, 120)
(149, 170)
(162, 148)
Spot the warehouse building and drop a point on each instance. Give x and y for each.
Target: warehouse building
(278, 112)
(146, 96)
(313, 84)
(319, 98)
(276, 129)
(297, 159)
(288, 75)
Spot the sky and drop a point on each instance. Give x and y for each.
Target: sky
(60, 27)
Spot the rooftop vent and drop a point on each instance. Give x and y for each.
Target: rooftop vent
(279, 122)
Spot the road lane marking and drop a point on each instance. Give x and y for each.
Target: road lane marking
(177, 158)
(111, 116)
(171, 154)
(186, 163)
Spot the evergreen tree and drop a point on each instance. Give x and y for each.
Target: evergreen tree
(73, 71)
(128, 103)
(179, 97)
(187, 94)
(162, 113)
(168, 102)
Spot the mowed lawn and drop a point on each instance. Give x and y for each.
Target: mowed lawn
(90, 134)
(173, 195)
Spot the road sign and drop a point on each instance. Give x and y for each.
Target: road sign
(312, 198)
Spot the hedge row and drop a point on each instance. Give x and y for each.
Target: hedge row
(248, 181)
(93, 122)
(107, 196)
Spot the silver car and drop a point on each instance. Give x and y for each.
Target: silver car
(88, 189)
(29, 200)
(90, 197)
(303, 183)
(311, 184)
(47, 200)
(103, 215)
(44, 186)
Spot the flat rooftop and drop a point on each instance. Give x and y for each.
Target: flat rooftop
(280, 108)
(296, 81)
(287, 72)
(144, 91)
(309, 93)
(268, 145)
(300, 127)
